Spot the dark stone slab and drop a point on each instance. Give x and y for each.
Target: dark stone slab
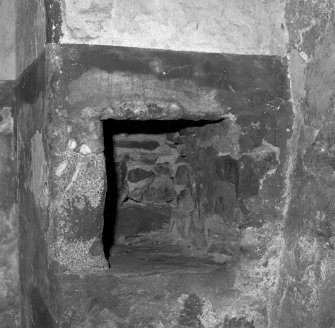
(147, 145)
(178, 85)
(139, 219)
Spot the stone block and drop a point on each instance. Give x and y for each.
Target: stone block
(161, 190)
(138, 174)
(134, 220)
(132, 144)
(162, 169)
(182, 175)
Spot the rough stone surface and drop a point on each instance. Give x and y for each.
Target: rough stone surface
(9, 270)
(38, 301)
(127, 83)
(7, 40)
(250, 197)
(159, 288)
(212, 207)
(224, 26)
(305, 294)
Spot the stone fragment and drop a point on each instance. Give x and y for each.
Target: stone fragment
(97, 248)
(122, 185)
(227, 169)
(159, 191)
(185, 200)
(182, 175)
(138, 174)
(144, 144)
(61, 167)
(174, 138)
(85, 150)
(252, 132)
(72, 144)
(221, 236)
(253, 167)
(162, 169)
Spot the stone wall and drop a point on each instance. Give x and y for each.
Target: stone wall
(305, 289)
(9, 272)
(277, 209)
(38, 301)
(205, 87)
(222, 185)
(203, 184)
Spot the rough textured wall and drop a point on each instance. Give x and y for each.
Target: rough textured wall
(86, 84)
(224, 26)
(306, 284)
(137, 84)
(9, 275)
(30, 32)
(7, 40)
(205, 184)
(38, 301)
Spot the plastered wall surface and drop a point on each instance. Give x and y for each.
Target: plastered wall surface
(30, 32)
(7, 40)
(224, 26)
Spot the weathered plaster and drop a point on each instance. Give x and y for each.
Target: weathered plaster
(7, 40)
(224, 26)
(30, 32)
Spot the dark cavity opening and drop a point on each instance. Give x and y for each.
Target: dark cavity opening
(117, 170)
